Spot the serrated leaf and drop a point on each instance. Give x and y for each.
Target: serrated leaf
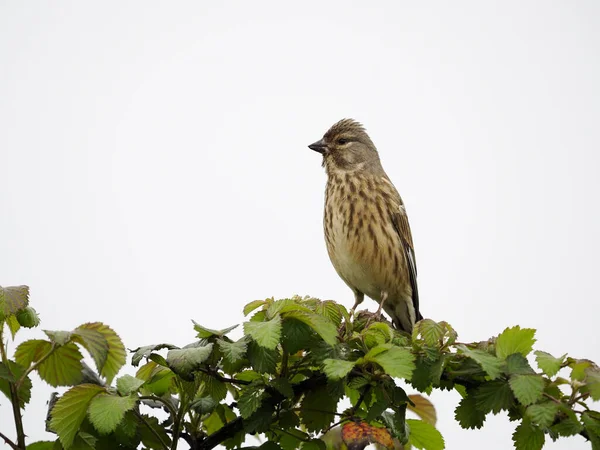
(252, 306)
(204, 405)
(515, 340)
(396, 361)
(298, 336)
(213, 387)
(185, 360)
(320, 324)
(13, 325)
(528, 389)
(144, 352)
(528, 437)
(424, 436)
(14, 371)
(204, 332)
(548, 363)
(63, 367)
(5, 373)
(422, 407)
(128, 384)
(70, 410)
(31, 351)
(542, 414)
(106, 411)
(592, 384)
(336, 369)
(317, 409)
(116, 350)
(233, 351)
(467, 414)
(493, 396)
(262, 359)
(517, 364)
(149, 429)
(283, 386)
(431, 332)
(250, 400)
(488, 362)
(13, 299)
(332, 310)
(266, 334)
(94, 342)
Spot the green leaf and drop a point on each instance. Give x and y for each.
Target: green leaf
(515, 340)
(204, 405)
(488, 362)
(116, 350)
(213, 387)
(13, 299)
(41, 445)
(333, 311)
(12, 372)
(204, 333)
(317, 409)
(542, 414)
(146, 351)
(58, 337)
(528, 437)
(336, 369)
(283, 386)
(517, 364)
(528, 389)
(94, 342)
(494, 396)
(128, 384)
(5, 373)
(431, 331)
(548, 363)
(262, 359)
(149, 429)
(298, 336)
(396, 361)
(252, 306)
(31, 351)
(106, 411)
(233, 351)
(320, 324)
(266, 334)
(250, 400)
(70, 411)
(13, 325)
(184, 361)
(593, 384)
(467, 414)
(424, 436)
(63, 367)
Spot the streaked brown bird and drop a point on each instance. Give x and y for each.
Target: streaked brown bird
(366, 227)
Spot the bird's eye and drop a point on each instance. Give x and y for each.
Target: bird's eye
(342, 141)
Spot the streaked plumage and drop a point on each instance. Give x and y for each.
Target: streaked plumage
(366, 227)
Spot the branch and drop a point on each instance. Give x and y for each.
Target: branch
(9, 442)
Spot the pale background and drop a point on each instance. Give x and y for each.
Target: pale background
(155, 168)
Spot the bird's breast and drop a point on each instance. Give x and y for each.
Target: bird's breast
(362, 243)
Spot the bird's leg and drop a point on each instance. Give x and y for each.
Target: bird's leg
(358, 299)
(384, 296)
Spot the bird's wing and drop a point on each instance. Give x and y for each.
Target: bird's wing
(400, 221)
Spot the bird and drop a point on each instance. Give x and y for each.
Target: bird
(366, 227)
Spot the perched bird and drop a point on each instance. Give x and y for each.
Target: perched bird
(366, 227)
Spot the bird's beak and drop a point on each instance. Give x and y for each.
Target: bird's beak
(319, 146)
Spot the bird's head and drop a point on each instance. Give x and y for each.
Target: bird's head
(346, 147)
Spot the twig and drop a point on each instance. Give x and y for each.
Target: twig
(14, 397)
(222, 378)
(9, 442)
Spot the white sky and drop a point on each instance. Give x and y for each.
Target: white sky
(155, 168)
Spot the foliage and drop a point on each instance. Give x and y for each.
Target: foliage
(284, 380)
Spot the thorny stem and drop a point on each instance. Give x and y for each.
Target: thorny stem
(14, 399)
(9, 442)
